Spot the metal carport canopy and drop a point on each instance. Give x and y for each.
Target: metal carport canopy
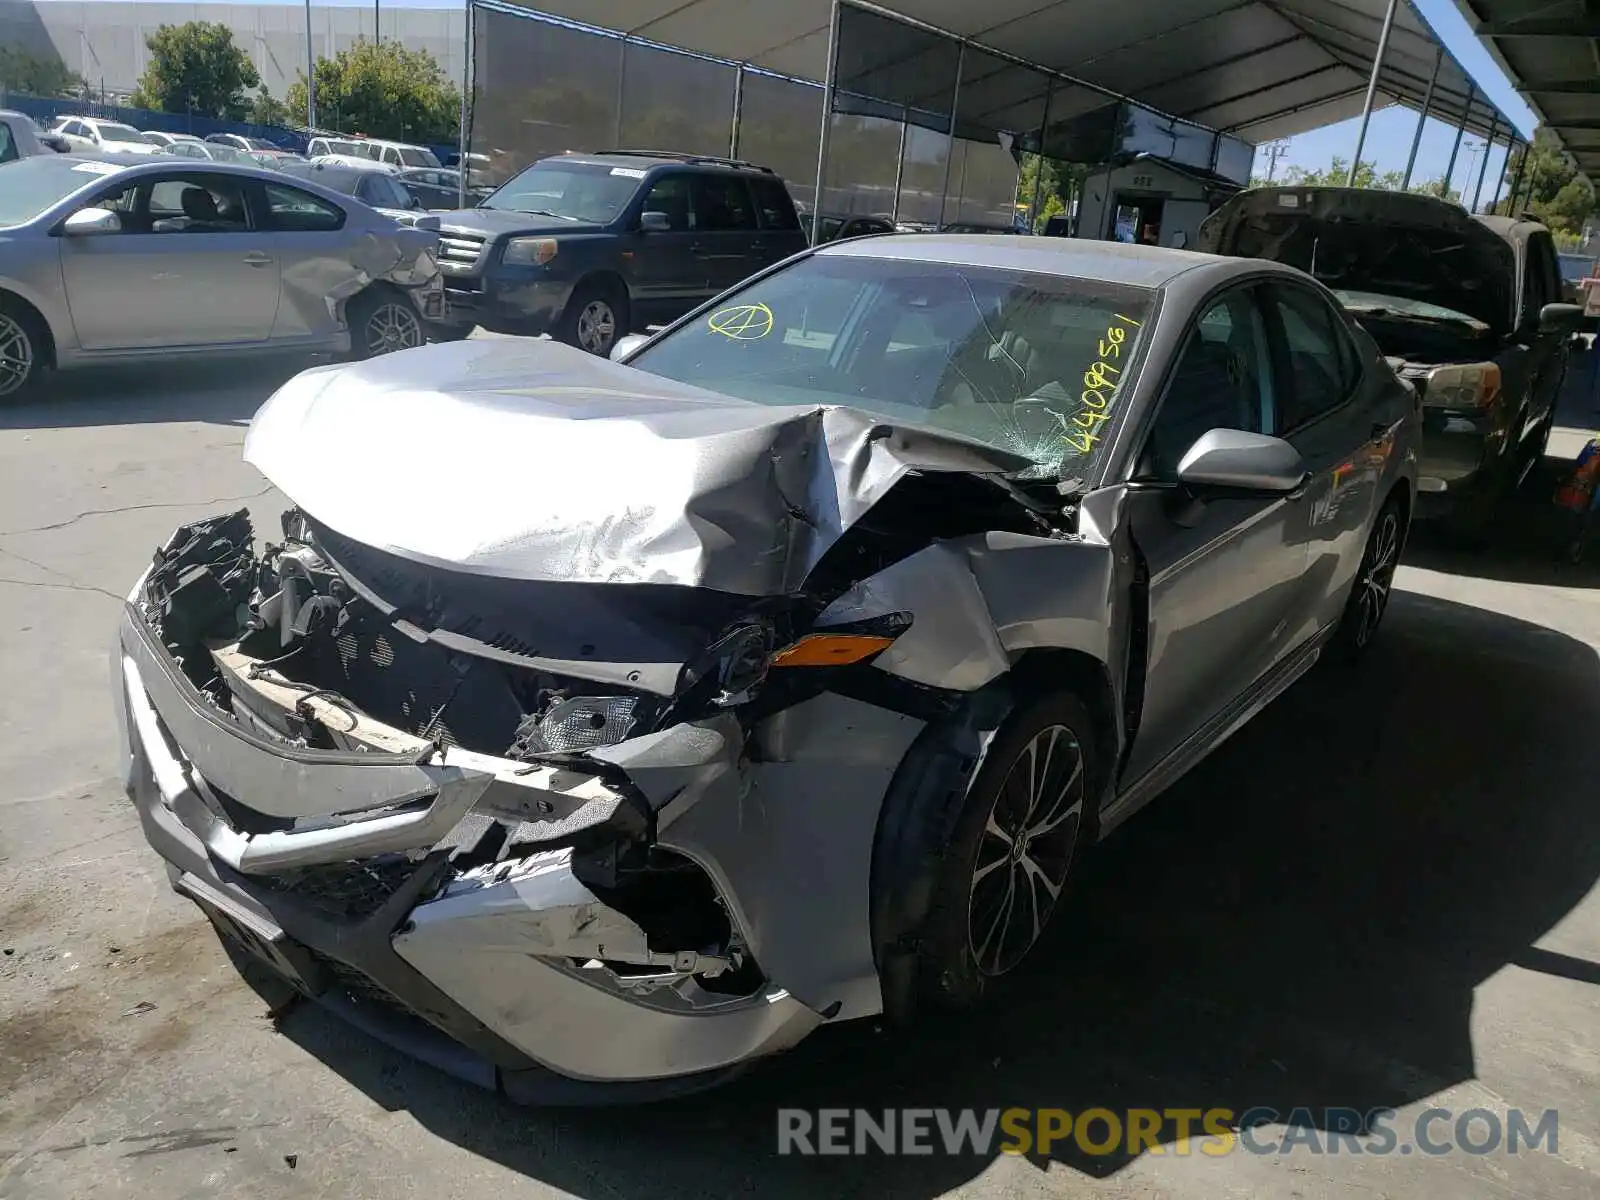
(1551, 52)
(1261, 69)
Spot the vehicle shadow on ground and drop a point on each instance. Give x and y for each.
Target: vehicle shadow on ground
(215, 391)
(1528, 542)
(1300, 922)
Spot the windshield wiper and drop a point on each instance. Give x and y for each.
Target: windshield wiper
(545, 212)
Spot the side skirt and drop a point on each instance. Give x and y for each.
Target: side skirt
(1207, 738)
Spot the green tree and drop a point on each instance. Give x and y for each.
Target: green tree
(1556, 194)
(266, 109)
(195, 67)
(1337, 174)
(1338, 171)
(1058, 183)
(383, 89)
(36, 75)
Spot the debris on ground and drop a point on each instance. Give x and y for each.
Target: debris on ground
(139, 1009)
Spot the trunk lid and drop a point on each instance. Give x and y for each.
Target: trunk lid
(1360, 240)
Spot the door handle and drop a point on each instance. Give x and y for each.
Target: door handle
(257, 259)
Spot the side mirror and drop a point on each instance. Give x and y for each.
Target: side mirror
(655, 222)
(56, 142)
(89, 222)
(625, 346)
(1560, 318)
(1231, 460)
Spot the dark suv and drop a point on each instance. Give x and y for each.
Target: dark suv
(586, 247)
(1468, 309)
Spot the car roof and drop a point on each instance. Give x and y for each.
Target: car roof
(1079, 258)
(329, 171)
(148, 164)
(644, 160)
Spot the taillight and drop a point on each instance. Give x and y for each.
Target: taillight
(1463, 387)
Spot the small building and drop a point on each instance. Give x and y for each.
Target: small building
(1150, 201)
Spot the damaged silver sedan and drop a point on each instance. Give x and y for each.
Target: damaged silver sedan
(596, 728)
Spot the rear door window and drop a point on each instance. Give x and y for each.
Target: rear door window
(1317, 363)
(722, 204)
(775, 205)
(293, 210)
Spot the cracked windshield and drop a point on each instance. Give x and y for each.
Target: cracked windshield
(1029, 364)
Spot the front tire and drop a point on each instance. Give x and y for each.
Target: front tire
(382, 321)
(1028, 816)
(596, 316)
(22, 350)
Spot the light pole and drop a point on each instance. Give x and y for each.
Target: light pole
(311, 75)
(375, 35)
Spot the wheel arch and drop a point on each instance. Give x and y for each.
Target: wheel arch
(606, 277)
(925, 799)
(10, 296)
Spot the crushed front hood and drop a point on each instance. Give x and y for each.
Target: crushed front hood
(1366, 240)
(531, 460)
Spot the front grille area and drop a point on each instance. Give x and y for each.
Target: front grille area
(460, 249)
(361, 989)
(345, 891)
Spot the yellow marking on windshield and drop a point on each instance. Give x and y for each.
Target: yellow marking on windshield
(742, 322)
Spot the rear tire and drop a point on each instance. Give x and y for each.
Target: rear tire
(382, 321)
(24, 353)
(1028, 817)
(596, 316)
(1374, 583)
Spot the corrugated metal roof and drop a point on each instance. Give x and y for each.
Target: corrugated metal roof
(1259, 68)
(1551, 51)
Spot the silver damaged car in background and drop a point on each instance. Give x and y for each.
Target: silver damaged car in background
(595, 729)
(115, 258)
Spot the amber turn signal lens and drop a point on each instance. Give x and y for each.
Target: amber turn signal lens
(830, 650)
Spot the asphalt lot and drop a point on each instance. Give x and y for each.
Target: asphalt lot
(1381, 893)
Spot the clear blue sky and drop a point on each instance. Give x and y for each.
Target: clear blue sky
(1388, 137)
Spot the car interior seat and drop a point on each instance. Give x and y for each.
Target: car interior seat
(200, 211)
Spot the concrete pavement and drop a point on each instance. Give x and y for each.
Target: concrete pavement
(1381, 893)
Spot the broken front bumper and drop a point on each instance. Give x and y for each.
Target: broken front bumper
(492, 973)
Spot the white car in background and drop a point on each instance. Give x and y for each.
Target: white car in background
(97, 136)
(345, 152)
(169, 140)
(364, 151)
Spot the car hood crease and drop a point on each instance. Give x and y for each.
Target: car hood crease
(532, 460)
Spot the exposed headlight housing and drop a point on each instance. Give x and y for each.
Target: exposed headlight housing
(529, 252)
(579, 723)
(1464, 387)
